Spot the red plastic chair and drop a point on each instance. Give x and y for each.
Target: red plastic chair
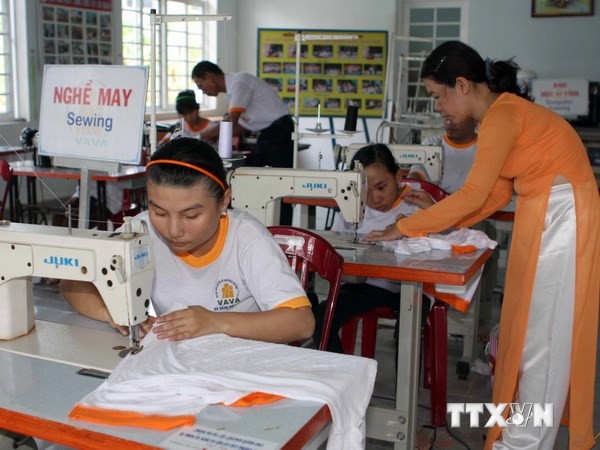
(6, 173)
(435, 333)
(308, 252)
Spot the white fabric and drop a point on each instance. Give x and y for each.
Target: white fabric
(376, 220)
(239, 279)
(260, 102)
(462, 236)
(546, 360)
(184, 377)
(457, 160)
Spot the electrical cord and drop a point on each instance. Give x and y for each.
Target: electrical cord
(456, 438)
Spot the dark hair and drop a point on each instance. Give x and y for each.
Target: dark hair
(186, 102)
(453, 59)
(192, 151)
(204, 67)
(376, 153)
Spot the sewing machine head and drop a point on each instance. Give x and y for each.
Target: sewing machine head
(257, 189)
(430, 157)
(120, 265)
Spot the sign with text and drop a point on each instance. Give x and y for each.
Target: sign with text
(567, 97)
(93, 112)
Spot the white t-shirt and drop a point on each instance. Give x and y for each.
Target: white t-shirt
(186, 131)
(457, 160)
(255, 99)
(246, 271)
(377, 220)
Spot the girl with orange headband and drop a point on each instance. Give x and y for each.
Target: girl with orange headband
(218, 270)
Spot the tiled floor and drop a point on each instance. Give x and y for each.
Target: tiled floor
(475, 388)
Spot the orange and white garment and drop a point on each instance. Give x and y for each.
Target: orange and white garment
(523, 147)
(168, 383)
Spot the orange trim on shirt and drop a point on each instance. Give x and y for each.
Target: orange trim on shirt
(298, 302)
(405, 189)
(104, 416)
(237, 109)
(458, 146)
(198, 262)
(203, 124)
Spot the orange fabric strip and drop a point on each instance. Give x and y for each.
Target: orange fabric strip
(453, 300)
(463, 248)
(115, 417)
(257, 398)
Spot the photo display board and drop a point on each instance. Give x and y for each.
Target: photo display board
(77, 31)
(333, 73)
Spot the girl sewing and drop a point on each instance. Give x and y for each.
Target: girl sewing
(217, 270)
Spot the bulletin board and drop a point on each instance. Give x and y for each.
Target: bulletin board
(332, 73)
(76, 32)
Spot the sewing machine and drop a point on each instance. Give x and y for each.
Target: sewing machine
(430, 157)
(120, 265)
(258, 190)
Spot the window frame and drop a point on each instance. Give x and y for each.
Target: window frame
(165, 97)
(420, 99)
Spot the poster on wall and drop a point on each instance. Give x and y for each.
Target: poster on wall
(93, 112)
(333, 74)
(77, 31)
(568, 97)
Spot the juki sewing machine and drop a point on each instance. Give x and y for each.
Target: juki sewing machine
(430, 157)
(120, 265)
(258, 190)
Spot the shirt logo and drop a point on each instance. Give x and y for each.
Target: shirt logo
(227, 294)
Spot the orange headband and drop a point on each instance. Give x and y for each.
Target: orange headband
(189, 166)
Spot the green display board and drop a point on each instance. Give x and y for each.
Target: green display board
(333, 73)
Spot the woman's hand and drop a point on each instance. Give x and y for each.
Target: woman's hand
(390, 233)
(419, 198)
(187, 323)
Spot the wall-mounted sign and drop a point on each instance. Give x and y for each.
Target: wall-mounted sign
(93, 112)
(568, 97)
(333, 73)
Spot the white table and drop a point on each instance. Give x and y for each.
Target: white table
(39, 386)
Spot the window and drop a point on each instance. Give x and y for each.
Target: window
(438, 21)
(6, 71)
(179, 45)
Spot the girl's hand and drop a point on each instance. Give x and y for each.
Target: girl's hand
(146, 326)
(187, 323)
(420, 198)
(390, 233)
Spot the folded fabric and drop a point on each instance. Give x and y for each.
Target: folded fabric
(461, 238)
(176, 380)
(460, 302)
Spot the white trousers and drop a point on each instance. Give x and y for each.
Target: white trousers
(546, 362)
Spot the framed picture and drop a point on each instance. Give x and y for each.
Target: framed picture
(556, 8)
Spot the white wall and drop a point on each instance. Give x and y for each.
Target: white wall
(552, 47)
